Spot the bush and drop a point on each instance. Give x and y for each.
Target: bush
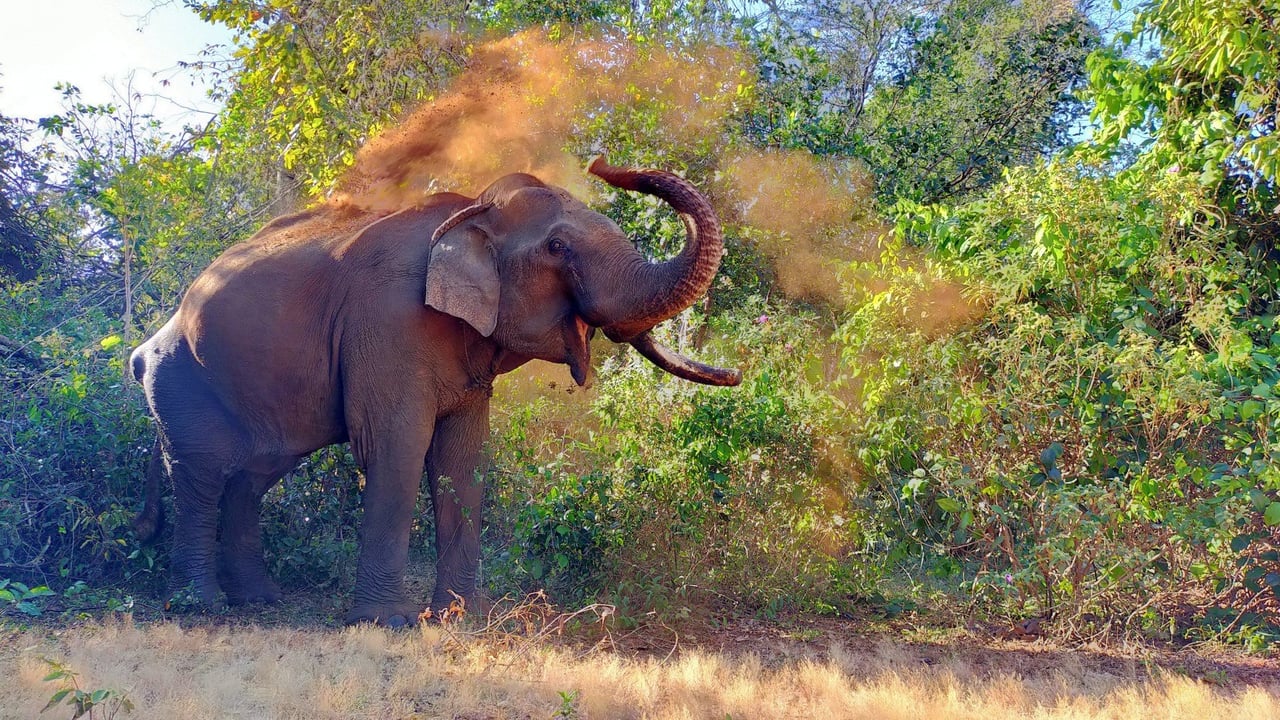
(661, 494)
(75, 438)
(1099, 446)
(311, 521)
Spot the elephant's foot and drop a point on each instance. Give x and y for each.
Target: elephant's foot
(393, 615)
(258, 588)
(246, 580)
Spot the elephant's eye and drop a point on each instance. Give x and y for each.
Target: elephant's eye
(556, 246)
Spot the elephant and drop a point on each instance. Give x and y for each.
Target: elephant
(387, 330)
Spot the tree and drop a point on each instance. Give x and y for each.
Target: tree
(21, 244)
(937, 96)
(1208, 103)
(313, 80)
(990, 85)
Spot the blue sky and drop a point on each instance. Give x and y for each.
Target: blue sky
(95, 44)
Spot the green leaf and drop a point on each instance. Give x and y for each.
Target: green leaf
(1272, 515)
(57, 698)
(1253, 577)
(1250, 409)
(1049, 456)
(949, 505)
(110, 341)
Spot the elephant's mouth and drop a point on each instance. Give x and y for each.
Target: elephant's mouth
(577, 343)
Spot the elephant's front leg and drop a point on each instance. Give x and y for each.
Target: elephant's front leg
(456, 494)
(393, 473)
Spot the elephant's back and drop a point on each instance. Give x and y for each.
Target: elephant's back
(259, 321)
(399, 238)
(275, 277)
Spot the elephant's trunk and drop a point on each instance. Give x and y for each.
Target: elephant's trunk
(661, 290)
(658, 291)
(683, 367)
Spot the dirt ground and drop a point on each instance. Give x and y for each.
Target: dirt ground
(529, 660)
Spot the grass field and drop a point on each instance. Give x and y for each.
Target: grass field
(210, 670)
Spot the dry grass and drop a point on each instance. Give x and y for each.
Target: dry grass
(218, 672)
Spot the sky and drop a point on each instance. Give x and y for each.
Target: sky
(95, 45)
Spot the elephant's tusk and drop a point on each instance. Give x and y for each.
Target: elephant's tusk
(681, 366)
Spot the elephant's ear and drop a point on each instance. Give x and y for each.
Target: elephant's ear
(462, 275)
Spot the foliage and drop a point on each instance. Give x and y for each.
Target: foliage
(938, 98)
(568, 704)
(1101, 427)
(20, 241)
(510, 15)
(102, 703)
(989, 86)
(71, 461)
(22, 598)
(73, 442)
(703, 496)
(313, 515)
(1066, 401)
(1207, 103)
(373, 62)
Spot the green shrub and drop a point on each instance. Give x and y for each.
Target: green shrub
(661, 495)
(1096, 443)
(74, 439)
(311, 521)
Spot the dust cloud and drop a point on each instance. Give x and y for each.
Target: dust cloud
(525, 103)
(520, 102)
(816, 214)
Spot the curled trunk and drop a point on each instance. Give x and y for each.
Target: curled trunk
(659, 291)
(653, 292)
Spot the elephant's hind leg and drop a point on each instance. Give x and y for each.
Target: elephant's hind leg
(242, 570)
(198, 483)
(204, 446)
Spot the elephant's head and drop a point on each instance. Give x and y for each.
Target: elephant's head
(532, 267)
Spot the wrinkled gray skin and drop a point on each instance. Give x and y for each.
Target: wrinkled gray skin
(315, 332)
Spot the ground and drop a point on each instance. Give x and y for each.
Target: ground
(530, 660)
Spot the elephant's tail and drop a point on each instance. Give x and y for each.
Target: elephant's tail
(148, 524)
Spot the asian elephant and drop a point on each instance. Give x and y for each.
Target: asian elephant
(336, 325)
